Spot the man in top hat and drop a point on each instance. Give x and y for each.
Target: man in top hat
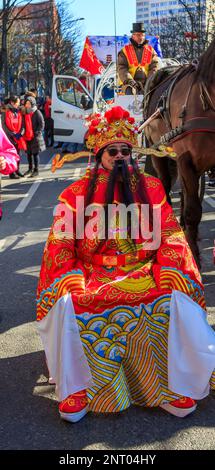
(136, 61)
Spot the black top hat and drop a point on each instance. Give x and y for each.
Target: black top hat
(138, 28)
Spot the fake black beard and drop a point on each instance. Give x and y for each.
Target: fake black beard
(119, 175)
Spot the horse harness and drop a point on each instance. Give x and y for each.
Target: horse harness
(198, 124)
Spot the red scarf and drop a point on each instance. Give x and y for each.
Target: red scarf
(13, 122)
(29, 133)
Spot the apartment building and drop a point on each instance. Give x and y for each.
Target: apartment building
(154, 14)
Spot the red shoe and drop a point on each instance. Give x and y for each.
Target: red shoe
(74, 407)
(181, 408)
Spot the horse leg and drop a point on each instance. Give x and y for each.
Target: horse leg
(192, 212)
(182, 223)
(161, 165)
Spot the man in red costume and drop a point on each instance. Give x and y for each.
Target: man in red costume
(120, 316)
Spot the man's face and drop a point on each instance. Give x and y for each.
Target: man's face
(139, 38)
(115, 152)
(16, 104)
(28, 105)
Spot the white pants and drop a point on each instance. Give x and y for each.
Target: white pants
(191, 348)
(66, 360)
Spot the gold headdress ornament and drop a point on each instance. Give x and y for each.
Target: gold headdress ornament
(161, 151)
(116, 125)
(58, 161)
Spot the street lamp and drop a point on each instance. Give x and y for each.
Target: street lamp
(158, 22)
(77, 19)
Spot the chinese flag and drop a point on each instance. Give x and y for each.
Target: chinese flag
(89, 61)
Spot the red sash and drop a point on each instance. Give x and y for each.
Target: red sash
(132, 58)
(14, 123)
(29, 133)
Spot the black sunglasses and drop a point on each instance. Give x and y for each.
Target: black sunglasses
(114, 151)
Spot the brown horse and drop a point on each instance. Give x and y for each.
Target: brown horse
(191, 108)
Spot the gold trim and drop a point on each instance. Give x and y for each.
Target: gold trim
(160, 204)
(61, 199)
(58, 161)
(162, 151)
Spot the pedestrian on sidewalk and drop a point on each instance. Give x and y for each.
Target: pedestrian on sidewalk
(13, 126)
(31, 92)
(49, 123)
(9, 158)
(33, 135)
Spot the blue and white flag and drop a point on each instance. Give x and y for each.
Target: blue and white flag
(106, 47)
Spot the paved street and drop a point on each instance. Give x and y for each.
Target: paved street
(29, 416)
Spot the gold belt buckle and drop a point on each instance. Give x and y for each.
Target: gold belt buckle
(110, 260)
(131, 258)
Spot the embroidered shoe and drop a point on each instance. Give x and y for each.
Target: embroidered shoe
(74, 407)
(180, 408)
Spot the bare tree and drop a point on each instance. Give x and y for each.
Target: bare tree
(70, 32)
(62, 45)
(187, 34)
(11, 11)
(54, 49)
(20, 53)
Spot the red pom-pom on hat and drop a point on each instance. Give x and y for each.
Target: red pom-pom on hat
(116, 114)
(108, 115)
(95, 122)
(131, 120)
(126, 114)
(92, 130)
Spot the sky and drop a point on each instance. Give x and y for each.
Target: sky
(99, 16)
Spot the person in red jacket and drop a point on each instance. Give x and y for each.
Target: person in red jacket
(13, 125)
(34, 123)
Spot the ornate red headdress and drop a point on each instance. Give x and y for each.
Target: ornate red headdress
(116, 125)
